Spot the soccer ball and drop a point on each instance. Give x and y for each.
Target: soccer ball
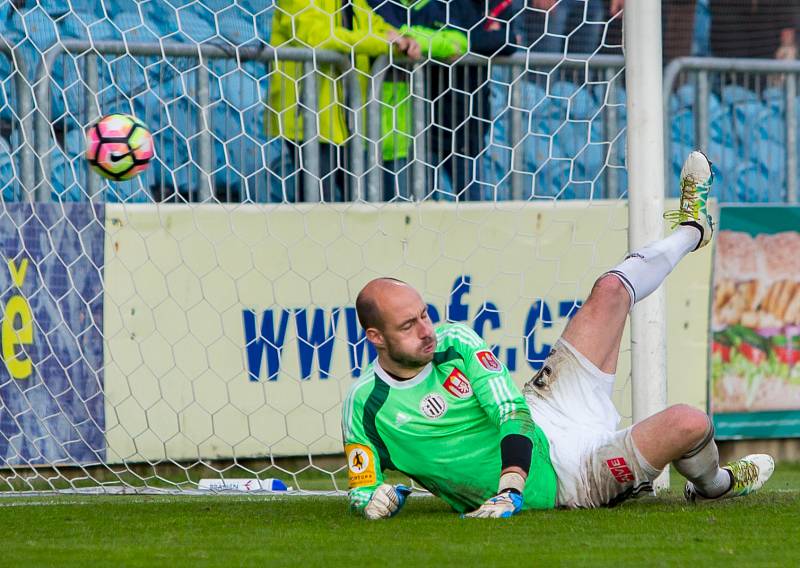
(119, 147)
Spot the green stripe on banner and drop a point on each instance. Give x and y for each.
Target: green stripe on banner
(760, 219)
(740, 425)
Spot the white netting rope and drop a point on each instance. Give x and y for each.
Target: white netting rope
(198, 320)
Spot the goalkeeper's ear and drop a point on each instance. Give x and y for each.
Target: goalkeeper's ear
(375, 337)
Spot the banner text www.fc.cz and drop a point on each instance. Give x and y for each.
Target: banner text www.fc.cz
(317, 336)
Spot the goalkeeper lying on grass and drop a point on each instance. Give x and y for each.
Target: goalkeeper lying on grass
(437, 405)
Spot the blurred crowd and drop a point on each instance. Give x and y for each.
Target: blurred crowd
(445, 31)
(454, 133)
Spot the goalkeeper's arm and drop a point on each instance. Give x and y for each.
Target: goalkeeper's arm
(515, 451)
(369, 495)
(507, 409)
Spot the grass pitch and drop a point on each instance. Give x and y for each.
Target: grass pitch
(761, 529)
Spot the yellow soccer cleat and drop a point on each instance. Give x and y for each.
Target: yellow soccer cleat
(747, 475)
(696, 180)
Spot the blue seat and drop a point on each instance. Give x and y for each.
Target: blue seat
(590, 163)
(547, 114)
(583, 105)
(722, 132)
(751, 184)
(236, 26)
(772, 156)
(495, 163)
(195, 24)
(9, 189)
(773, 124)
(560, 89)
(163, 18)
(68, 171)
(135, 27)
(681, 117)
(723, 169)
(6, 72)
(179, 143)
(552, 181)
(616, 159)
(34, 32)
(537, 151)
(570, 138)
(736, 94)
(746, 122)
(257, 6)
(683, 98)
(774, 97)
(264, 25)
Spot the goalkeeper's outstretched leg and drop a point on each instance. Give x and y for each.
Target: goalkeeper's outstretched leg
(570, 396)
(596, 330)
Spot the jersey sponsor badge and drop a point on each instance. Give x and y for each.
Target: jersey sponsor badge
(360, 465)
(433, 405)
(458, 385)
(488, 361)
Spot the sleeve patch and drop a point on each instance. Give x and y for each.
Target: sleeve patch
(488, 361)
(458, 385)
(360, 465)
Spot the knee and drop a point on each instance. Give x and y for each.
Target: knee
(610, 287)
(689, 424)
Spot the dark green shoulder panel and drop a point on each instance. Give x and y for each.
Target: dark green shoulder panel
(375, 401)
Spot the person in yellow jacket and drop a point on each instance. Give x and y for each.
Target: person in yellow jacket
(347, 26)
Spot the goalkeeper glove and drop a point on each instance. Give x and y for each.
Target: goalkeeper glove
(386, 501)
(506, 503)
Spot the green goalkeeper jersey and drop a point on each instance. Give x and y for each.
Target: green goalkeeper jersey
(443, 427)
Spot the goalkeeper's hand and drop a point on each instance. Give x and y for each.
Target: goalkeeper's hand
(386, 501)
(504, 504)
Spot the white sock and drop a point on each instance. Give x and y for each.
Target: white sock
(701, 467)
(644, 270)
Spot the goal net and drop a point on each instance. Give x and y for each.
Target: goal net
(198, 321)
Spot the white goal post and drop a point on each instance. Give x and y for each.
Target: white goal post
(645, 161)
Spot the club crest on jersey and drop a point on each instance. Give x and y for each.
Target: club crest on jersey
(458, 385)
(433, 405)
(488, 361)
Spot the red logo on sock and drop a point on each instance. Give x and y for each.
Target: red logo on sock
(620, 470)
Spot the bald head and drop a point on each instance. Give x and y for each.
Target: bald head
(395, 319)
(373, 296)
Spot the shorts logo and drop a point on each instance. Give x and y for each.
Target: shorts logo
(433, 405)
(458, 385)
(360, 465)
(489, 361)
(620, 470)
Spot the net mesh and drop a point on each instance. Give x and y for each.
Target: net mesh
(197, 321)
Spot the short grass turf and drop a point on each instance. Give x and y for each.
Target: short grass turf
(762, 529)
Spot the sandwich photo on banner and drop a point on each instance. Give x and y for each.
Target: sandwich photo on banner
(755, 320)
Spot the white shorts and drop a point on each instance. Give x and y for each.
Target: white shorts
(596, 464)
